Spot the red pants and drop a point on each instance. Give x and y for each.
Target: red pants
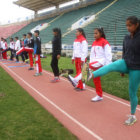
(31, 59)
(97, 81)
(30, 52)
(4, 55)
(38, 64)
(78, 71)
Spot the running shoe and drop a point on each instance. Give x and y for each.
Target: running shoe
(55, 80)
(79, 89)
(71, 79)
(131, 120)
(97, 98)
(40, 73)
(31, 69)
(89, 75)
(37, 74)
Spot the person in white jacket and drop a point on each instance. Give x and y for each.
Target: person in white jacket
(11, 48)
(100, 55)
(4, 47)
(17, 47)
(80, 52)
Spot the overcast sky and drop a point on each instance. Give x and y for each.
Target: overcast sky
(11, 12)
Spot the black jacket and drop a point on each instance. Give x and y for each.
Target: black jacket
(37, 45)
(30, 43)
(56, 46)
(131, 51)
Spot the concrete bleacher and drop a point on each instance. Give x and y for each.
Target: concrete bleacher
(111, 18)
(7, 31)
(30, 26)
(67, 19)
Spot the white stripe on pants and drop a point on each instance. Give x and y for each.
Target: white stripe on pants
(37, 67)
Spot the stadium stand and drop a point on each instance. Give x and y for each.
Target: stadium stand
(6, 31)
(112, 20)
(30, 26)
(66, 20)
(111, 17)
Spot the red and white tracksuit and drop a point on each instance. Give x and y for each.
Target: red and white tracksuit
(4, 47)
(17, 45)
(30, 52)
(100, 55)
(38, 64)
(80, 52)
(12, 45)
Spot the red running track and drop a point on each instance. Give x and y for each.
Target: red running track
(87, 120)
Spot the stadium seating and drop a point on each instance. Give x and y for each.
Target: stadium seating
(66, 20)
(6, 31)
(112, 19)
(30, 26)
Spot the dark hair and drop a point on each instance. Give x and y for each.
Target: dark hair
(37, 31)
(24, 34)
(30, 34)
(58, 31)
(133, 20)
(101, 31)
(5, 40)
(2, 38)
(16, 37)
(11, 39)
(81, 31)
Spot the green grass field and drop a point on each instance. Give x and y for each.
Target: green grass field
(22, 118)
(112, 83)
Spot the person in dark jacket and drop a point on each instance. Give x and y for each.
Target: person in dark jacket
(130, 64)
(30, 49)
(25, 54)
(56, 53)
(37, 52)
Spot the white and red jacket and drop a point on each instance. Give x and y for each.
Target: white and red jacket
(4, 46)
(17, 45)
(1, 44)
(12, 45)
(80, 48)
(101, 52)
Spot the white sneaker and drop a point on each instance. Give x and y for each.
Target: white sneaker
(84, 86)
(71, 79)
(131, 120)
(96, 99)
(90, 75)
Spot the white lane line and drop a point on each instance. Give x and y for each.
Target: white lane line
(57, 107)
(113, 99)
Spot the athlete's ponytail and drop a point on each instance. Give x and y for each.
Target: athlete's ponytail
(101, 31)
(82, 32)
